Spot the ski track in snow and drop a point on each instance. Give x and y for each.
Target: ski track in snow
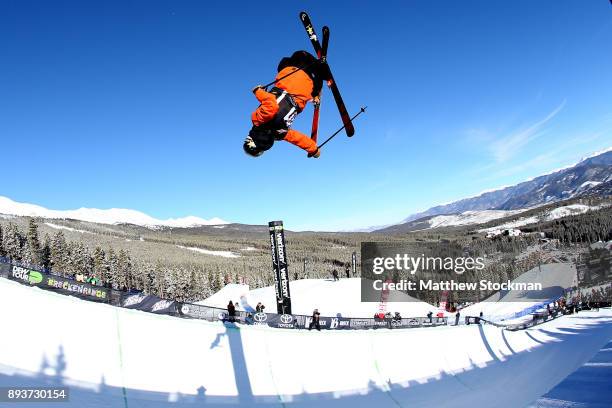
(224, 254)
(62, 227)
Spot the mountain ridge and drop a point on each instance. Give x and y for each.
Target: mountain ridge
(591, 175)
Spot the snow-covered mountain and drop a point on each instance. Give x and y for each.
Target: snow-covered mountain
(534, 215)
(591, 176)
(109, 216)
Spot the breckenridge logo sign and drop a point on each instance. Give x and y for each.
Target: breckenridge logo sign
(26, 275)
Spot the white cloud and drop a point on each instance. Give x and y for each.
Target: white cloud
(506, 147)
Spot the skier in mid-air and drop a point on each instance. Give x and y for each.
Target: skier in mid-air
(299, 80)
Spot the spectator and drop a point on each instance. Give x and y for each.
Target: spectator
(335, 275)
(231, 311)
(479, 317)
(259, 307)
(348, 271)
(457, 316)
(397, 317)
(429, 315)
(315, 320)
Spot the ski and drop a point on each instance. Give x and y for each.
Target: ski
(333, 86)
(323, 56)
(317, 107)
(312, 35)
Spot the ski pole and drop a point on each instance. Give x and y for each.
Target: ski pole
(343, 126)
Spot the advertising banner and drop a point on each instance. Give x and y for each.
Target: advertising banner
(148, 303)
(280, 267)
(56, 283)
(71, 287)
(25, 275)
(154, 304)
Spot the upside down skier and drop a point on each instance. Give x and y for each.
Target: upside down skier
(299, 80)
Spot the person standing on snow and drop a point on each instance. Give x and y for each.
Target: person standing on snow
(315, 320)
(457, 315)
(231, 311)
(299, 80)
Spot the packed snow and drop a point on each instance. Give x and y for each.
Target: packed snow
(502, 306)
(568, 210)
(513, 224)
(470, 218)
(342, 297)
(224, 254)
(111, 357)
(109, 216)
(63, 227)
(556, 213)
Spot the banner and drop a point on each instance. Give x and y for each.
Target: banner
(25, 275)
(149, 303)
(55, 283)
(280, 267)
(71, 287)
(154, 304)
(290, 321)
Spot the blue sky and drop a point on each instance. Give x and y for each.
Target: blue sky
(145, 104)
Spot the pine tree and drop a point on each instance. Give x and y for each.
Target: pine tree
(59, 261)
(13, 243)
(32, 252)
(45, 253)
(124, 270)
(2, 250)
(100, 265)
(113, 267)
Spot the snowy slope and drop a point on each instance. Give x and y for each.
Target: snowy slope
(556, 213)
(113, 357)
(110, 216)
(331, 298)
(470, 218)
(501, 306)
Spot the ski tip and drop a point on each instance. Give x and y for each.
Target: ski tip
(303, 15)
(350, 131)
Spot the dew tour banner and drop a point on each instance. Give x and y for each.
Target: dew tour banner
(279, 264)
(66, 286)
